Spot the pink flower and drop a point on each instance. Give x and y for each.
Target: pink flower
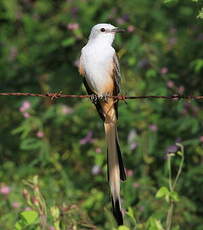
(129, 172)
(171, 149)
(26, 115)
(184, 112)
(172, 41)
(87, 138)
(15, 205)
(13, 53)
(153, 128)
(141, 208)
(120, 21)
(201, 139)
(51, 228)
(131, 28)
(136, 185)
(132, 139)
(40, 134)
(25, 106)
(133, 146)
(98, 150)
(74, 11)
(163, 70)
(5, 190)
(96, 169)
(73, 26)
(66, 109)
(173, 30)
(181, 89)
(170, 84)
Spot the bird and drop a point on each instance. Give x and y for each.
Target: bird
(100, 69)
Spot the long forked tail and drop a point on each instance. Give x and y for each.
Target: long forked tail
(116, 171)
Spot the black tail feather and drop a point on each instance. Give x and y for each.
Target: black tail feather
(120, 160)
(123, 176)
(117, 212)
(107, 165)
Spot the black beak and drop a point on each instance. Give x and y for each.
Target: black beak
(117, 30)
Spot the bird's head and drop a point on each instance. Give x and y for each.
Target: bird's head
(104, 32)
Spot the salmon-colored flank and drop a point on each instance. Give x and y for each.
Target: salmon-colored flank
(81, 69)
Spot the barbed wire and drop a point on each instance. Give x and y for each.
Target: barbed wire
(53, 96)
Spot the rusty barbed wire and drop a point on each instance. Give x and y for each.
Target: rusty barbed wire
(53, 96)
(119, 97)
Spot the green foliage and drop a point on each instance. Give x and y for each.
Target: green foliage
(200, 15)
(154, 224)
(28, 220)
(123, 228)
(62, 141)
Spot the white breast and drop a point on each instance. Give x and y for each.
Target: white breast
(97, 62)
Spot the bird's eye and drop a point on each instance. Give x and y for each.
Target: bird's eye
(102, 30)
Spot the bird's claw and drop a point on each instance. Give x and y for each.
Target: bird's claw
(104, 97)
(94, 98)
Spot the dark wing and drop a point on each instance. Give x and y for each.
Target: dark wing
(117, 78)
(89, 91)
(116, 75)
(96, 103)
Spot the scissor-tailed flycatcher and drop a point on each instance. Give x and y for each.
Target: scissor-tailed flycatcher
(100, 68)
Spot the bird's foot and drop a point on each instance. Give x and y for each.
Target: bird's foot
(94, 98)
(104, 97)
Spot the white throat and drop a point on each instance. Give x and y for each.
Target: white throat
(102, 39)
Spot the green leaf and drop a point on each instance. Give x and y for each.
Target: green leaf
(169, 1)
(18, 226)
(154, 224)
(29, 216)
(30, 144)
(174, 196)
(123, 228)
(131, 61)
(200, 15)
(11, 8)
(130, 213)
(151, 73)
(162, 192)
(180, 153)
(197, 64)
(68, 42)
(55, 212)
(176, 228)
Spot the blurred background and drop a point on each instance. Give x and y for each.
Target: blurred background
(63, 141)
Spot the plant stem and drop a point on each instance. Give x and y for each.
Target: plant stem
(170, 173)
(173, 185)
(170, 211)
(169, 216)
(180, 167)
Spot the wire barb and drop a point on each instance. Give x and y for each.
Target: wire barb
(54, 95)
